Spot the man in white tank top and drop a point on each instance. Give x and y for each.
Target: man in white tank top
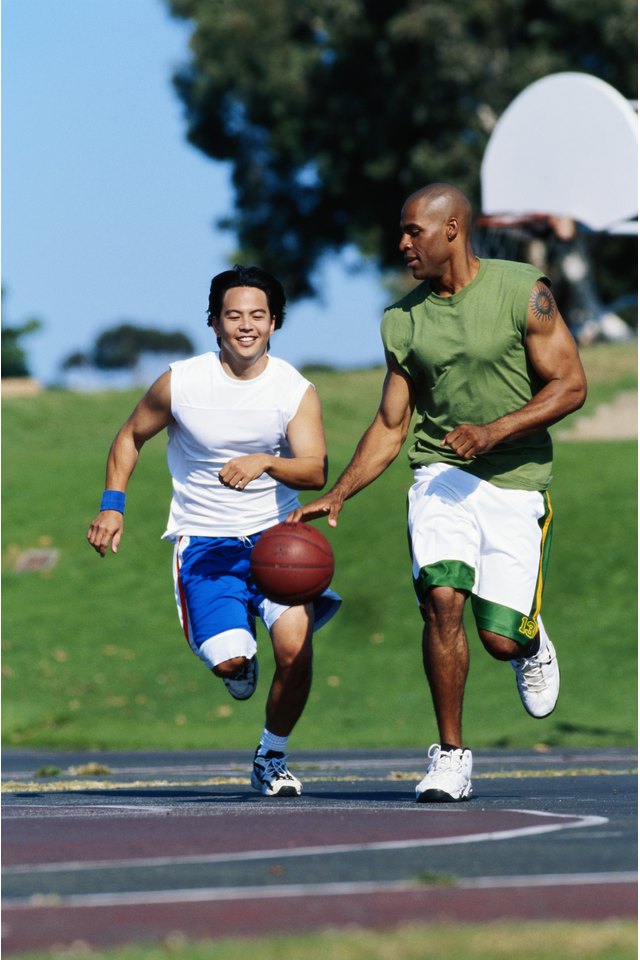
(245, 433)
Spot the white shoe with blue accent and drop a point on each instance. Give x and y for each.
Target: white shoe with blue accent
(271, 776)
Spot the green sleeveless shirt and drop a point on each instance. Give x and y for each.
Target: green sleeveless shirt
(465, 355)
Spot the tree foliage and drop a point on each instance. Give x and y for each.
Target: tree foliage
(14, 357)
(333, 111)
(120, 347)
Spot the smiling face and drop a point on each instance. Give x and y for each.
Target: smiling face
(244, 327)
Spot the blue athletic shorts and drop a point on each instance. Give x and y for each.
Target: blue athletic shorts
(218, 602)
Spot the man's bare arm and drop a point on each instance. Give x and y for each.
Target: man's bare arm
(151, 415)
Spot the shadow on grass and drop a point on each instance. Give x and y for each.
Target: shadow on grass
(562, 735)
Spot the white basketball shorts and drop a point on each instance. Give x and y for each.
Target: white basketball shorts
(492, 542)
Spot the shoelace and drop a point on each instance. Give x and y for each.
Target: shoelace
(530, 671)
(444, 760)
(276, 767)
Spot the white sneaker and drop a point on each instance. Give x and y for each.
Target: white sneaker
(538, 680)
(243, 685)
(271, 776)
(448, 778)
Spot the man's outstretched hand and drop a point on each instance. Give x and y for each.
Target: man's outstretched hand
(328, 506)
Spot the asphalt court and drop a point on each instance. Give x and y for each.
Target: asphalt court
(132, 846)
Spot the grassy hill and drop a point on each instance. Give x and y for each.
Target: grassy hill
(92, 651)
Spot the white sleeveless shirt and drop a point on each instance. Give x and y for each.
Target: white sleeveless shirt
(216, 418)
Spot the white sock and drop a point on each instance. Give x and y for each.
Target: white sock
(269, 741)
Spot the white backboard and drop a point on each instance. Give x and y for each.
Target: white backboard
(568, 146)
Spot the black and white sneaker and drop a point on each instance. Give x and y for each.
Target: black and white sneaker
(448, 778)
(271, 776)
(243, 685)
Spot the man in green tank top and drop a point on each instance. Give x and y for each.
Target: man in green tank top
(481, 353)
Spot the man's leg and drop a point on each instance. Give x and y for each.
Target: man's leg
(445, 654)
(291, 638)
(536, 667)
(212, 606)
(516, 528)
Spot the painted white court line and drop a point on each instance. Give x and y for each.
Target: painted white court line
(220, 894)
(567, 821)
(548, 880)
(19, 811)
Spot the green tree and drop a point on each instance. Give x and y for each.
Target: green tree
(120, 347)
(332, 111)
(14, 357)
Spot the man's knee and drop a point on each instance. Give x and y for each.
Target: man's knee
(291, 637)
(443, 605)
(294, 656)
(504, 648)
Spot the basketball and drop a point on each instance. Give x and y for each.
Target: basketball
(292, 563)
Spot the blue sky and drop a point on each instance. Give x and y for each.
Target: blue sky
(107, 213)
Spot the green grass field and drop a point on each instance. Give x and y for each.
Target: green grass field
(93, 656)
(613, 940)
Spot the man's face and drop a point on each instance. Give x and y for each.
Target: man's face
(423, 239)
(244, 325)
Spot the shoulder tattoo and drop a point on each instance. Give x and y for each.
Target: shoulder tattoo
(542, 303)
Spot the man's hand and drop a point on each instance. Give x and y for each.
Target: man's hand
(107, 528)
(240, 471)
(468, 439)
(328, 506)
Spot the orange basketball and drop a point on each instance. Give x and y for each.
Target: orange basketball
(292, 563)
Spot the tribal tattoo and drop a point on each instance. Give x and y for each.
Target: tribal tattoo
(542, 303)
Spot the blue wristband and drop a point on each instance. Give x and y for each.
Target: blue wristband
(113, 500)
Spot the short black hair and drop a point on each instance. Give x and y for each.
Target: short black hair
(247, 277)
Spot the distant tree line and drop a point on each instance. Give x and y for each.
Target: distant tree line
(14, 357)
(121, 347)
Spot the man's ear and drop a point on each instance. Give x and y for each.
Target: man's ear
(452, 229)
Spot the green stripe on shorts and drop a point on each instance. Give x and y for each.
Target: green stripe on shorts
(503, 621)
(444, 573)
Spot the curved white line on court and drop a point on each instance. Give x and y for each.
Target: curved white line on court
(20, 811)
(318, 850)
(220, 894)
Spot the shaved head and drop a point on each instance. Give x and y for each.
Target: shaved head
(435, 236)
(447, 200)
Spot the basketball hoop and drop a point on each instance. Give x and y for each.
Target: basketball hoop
(591, 174)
